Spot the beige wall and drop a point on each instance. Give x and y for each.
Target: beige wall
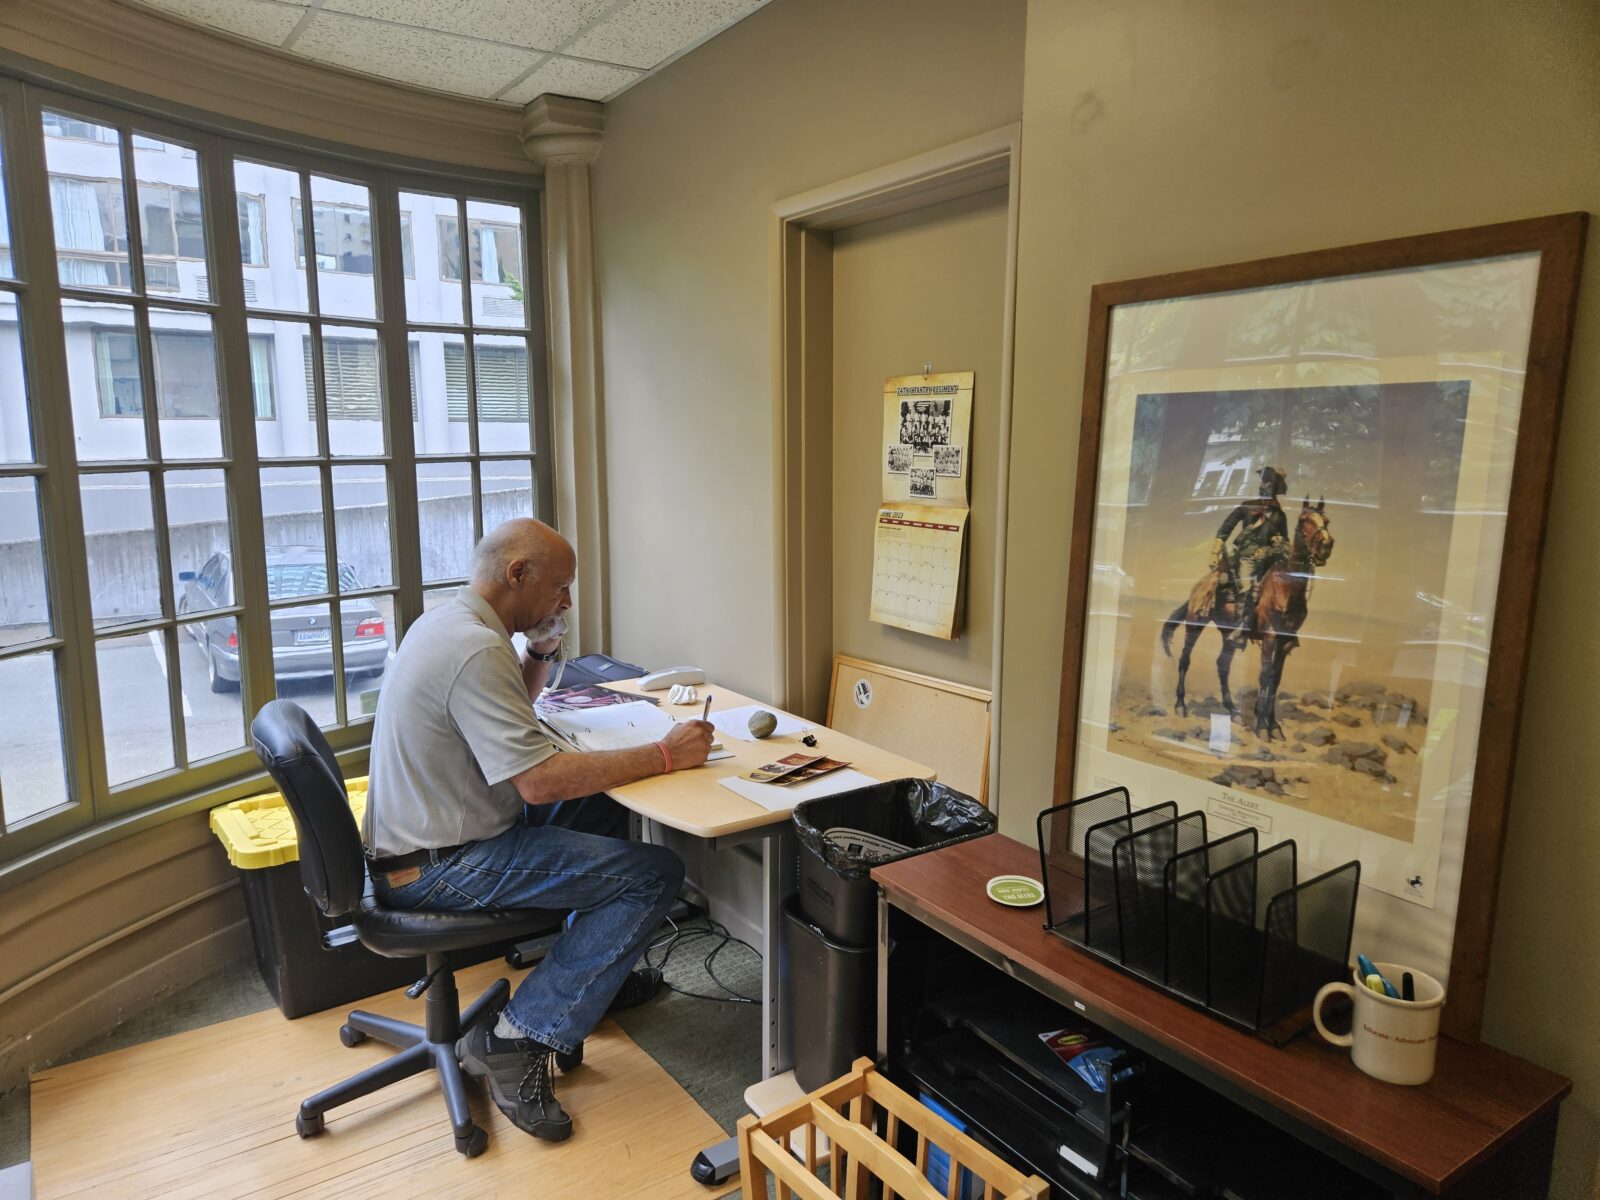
(797, 95)
(1173, 134)
(927, 284)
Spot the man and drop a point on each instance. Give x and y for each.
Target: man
(470, 806)
(1262, 540)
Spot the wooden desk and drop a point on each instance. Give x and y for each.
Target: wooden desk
(694, 802)
(1483, 1126)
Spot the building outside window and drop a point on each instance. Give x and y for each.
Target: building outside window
(215, 504)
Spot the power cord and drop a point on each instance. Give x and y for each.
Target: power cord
(669, 944)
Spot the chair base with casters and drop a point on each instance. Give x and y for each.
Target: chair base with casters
(333, 869)
(431, 1045)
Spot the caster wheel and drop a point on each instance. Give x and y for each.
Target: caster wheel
(307, 1126)
(568, 1062)
(514, 960)
(351, 1036)
(474, 1144)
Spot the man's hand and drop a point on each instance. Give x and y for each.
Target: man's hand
(545, 647)
(689, 743)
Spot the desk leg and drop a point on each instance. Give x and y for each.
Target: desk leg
(777, 885)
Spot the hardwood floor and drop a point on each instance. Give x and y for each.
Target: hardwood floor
(210, 1113)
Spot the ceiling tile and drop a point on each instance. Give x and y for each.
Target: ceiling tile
(565, 77)
(546, 24)
(260, 20)
(421, 57)
(646, 32)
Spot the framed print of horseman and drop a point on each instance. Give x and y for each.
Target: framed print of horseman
(1311, 493)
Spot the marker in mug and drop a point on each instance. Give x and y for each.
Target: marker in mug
(1408, 989)
(1367, 969)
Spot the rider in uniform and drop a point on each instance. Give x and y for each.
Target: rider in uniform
(1260, 538)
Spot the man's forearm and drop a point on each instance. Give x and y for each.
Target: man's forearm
(567, 776)
(534, 673)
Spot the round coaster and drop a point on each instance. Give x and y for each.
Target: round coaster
(1018, 891)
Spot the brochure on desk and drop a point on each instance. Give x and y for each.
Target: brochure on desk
(783, 799)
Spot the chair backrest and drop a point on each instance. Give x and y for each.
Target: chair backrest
(302, 764)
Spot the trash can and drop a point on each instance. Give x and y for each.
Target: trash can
(303, 975)
(831, 987)
(843, 837)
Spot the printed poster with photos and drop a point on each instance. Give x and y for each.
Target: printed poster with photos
(917, 577)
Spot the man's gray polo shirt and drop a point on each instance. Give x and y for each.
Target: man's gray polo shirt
(454, 725)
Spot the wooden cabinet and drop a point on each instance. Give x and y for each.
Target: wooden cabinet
(1484, 1126)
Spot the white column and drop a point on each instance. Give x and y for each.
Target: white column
(563, 135)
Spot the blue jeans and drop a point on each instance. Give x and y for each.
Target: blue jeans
(618, 892)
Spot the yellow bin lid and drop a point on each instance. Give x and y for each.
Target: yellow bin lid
(258, 831)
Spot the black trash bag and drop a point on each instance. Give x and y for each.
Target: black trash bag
(902, 817)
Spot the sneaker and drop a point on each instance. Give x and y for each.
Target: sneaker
(520, 1079)
(641, 984)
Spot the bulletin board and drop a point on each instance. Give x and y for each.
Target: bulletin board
(932, 721)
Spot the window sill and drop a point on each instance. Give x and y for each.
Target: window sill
(106, 833)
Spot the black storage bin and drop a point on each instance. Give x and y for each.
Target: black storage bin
(303, 975)
(830, 997)
(912, 814)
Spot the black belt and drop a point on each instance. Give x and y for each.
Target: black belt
(417, 858)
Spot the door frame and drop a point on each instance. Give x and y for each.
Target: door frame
(801, 257)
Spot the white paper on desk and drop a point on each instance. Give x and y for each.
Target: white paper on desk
(781, 799)
(615, 727)
(735, 722)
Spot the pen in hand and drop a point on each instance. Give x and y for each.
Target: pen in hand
(706, 715)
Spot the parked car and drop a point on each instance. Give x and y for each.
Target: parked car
(302, 638)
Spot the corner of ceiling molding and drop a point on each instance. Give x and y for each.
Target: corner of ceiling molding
(562, 129)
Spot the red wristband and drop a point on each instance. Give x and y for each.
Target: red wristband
(666, 758)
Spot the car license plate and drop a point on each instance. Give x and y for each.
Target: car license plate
(311, 637)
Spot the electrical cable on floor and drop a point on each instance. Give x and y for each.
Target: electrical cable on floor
(669, 944)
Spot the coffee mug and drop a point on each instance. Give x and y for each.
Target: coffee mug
(1389, 1039)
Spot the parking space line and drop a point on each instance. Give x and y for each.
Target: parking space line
(160, 646)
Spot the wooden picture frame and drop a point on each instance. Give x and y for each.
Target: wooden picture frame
(1395, 282)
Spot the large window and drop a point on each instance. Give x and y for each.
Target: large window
(230, 469)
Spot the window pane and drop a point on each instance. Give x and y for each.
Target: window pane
(444, 514)
(353, 378)
(507, 491)
(361, 526)
(86, 203)
(368, 631)
(134, 710)
(200, 540)
(440, 388)
(7, 270)
(272, 279)
(24, 598)
(495, 231)
(408, 257)
(342, 219)
(501, 368)
(213, 715)
(280, 370)
(433, 297)
(291, 503)
(16, 439)
(170, 223)
(302, 659)
(119, 521)
(33, 776)
(187, 393)
(104, 379)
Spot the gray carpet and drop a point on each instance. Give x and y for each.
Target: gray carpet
(712, 1049)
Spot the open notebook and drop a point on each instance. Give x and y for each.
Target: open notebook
(615, 727)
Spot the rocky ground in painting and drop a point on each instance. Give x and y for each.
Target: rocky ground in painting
(1350, 754)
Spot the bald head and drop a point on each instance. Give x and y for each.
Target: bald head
(525, 540)
(524, 569)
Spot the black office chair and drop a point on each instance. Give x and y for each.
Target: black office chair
(333, 868)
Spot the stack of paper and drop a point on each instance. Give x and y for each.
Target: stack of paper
(615, 727)
(779, 799)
